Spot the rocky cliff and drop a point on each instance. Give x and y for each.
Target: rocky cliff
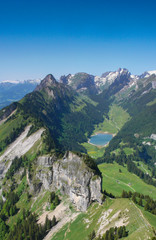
(71, 176)
(81, 82)
(18, 148)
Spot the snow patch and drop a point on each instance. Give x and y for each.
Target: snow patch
(152, 72)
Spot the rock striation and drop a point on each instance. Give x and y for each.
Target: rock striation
(18, 148)
(71, 176)
(48, 81)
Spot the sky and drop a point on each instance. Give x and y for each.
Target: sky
(62, 37)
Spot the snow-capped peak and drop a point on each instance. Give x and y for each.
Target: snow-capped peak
(10, 81)
(152, 72)
(147, 74)
(109, 77)
(33, 81)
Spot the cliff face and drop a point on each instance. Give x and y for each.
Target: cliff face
(81, 82)
(71, 176)
(18, 148)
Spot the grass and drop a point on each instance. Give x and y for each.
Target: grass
(78, 228)
(80, 103)
(8, 126)
(93, 150)
(142, 166)
(106, 126)
(88, 100)
(23, 203)
(34, 205)
(38, 205)
(116, 182)
(150, 217)
(32, 153)
(151, 103)
(121, 210)
(117, 118)
(21, 186)
(128, 150)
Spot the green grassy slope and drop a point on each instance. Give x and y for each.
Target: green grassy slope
(117, 118)
(144, 167)
(111, 213)
(7, 127)
(114, 212)
(115, 182)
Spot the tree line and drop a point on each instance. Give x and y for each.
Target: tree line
(123, 159)
(28, 228)
(113, 233)
(142, 200)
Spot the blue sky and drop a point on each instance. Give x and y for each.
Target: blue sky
(61, 37)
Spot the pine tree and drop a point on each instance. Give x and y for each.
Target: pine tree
(134, 199)
(52, 197)
(54, 221)
(146, 207)
(124, 234)
(92, 235)
(140, 202)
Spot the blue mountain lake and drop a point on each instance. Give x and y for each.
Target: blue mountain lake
(100, 139)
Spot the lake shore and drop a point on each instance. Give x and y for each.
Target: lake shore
(98, 146)
(100, 132)
(113, 134)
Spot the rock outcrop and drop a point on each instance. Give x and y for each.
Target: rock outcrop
(71, 176)
(6, 112)
(18, 148)
(48, 81)
(81, 82)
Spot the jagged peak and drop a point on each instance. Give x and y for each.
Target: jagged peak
(123, 69)
(64, 79)
(147, 74)
(115, 73)
(48, 81)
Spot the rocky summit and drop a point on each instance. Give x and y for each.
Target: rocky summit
(71, 176)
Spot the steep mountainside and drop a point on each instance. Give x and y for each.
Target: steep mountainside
(108, 78)
(89, 84)
(64, 112)
(140, 103)
(82, 82)
(44, 169)
(70, 117)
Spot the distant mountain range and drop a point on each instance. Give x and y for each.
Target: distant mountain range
(11, 91)
(84, 82)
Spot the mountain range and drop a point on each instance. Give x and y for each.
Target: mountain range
(48, 167)
(11, 91)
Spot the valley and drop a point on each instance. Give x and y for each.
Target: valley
(117, 117)
(65, 187)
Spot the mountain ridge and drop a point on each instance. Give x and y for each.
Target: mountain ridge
(63, 117)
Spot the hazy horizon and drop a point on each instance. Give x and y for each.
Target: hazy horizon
(58, 77)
